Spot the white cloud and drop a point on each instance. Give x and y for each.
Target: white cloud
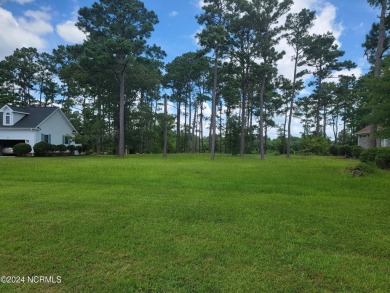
(14, 33)
(37, 22)
(70, 33)
(173, 13)
(22, 2)
(325, 22)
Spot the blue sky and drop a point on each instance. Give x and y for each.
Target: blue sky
(45, 24)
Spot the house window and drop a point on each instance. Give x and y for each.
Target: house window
(46, 138)
(385, 142)
(7, 119)
(66, 139)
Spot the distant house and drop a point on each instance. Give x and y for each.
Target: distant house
(34, 124)
(364, 138)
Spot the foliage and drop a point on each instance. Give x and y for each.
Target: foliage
(346, 150)
(22, 149)
(114, 78)
(233, 135)
(118, 33)
(71, 148)
(61, 148)
(356, 151)
(363, 169)
(368, 155)
(382, 159)
(42, 148)
(379, 156)
(312, 144)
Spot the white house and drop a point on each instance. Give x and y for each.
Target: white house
(34, 124)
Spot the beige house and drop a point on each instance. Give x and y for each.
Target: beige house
(364, 138)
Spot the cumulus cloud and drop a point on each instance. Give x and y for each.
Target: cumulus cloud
(325, 22)
(27, 31)
(70, 33)
(37, 22)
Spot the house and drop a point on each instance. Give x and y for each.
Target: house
(364, 138)
(34, 124)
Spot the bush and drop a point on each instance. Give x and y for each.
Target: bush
(52, 148)
(356, 151)
(312, 144)
(363, 169)
(368, 155)
(346, 150)
(22, 149)
(382, 159)
(61, 148)
(71, 148)
(334, 150)
(42, 148)
(379, 156)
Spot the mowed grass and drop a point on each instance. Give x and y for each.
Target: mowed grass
(185, 224)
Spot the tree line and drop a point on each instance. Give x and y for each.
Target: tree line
(114, 86)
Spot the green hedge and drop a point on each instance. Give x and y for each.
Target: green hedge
(345, 150)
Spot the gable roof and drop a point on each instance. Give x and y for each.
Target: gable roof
(33, 118)
(365, 130)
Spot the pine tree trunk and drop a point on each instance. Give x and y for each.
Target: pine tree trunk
(378, 63)
(165, 126)
(291, 107)
(121, 144)
(178, 114)
(214, 108)
(261, 121)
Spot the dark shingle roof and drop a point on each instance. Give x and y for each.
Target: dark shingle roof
(36, 115)
(365, 130)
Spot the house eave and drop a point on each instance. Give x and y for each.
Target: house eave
(16, 128)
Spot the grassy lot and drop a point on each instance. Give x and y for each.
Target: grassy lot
(186, 224)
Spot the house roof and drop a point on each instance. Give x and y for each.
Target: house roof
(36, 115)
(365, 130)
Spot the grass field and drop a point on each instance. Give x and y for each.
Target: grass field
(185, 224)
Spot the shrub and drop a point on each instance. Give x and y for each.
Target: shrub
(312, 144)
(363, 169)
(346, 150)
(379, 156)
(79, 148)
(382, 158)
(71, 148)
(368, 155)
(334, 150)
(356, 151)
(42, 148)
(52, 148)
(22, 149)
(61, 148)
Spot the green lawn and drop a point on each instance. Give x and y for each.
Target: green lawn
(185, 224)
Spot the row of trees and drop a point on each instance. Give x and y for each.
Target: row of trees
(112, 85)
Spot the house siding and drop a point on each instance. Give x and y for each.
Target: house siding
(364, 141)
(55, 127)
(27, 135)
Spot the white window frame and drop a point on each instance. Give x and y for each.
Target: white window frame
(8, 119)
